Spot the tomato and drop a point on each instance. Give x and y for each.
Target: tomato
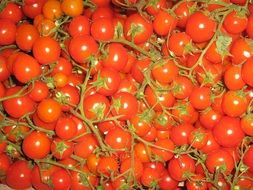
(12, 12)
(149, 177)
(18, 175)
(52, 9)
(65, 128)
(165, 72)
(72, 8)
(164, 23)
(140, 124)
(138, 68)
(183, 12)
(249, 28)
(102, 29)
(103, 12)
(178, 43)
(137, 28)
(163, 154)
(36, 145)
(38, 122)
(220, 160)
(181, 87)
(85, 147)
(200, 27)
(101, 3)
(154, 7)
(46, 27)
(49, 110)
(233, 78)
(82, 47)
(235, 23)
(234, 103)
(247, 124)
(142, 152)
(16, 133)
(63, 66)
(245, 181)
(196, 183)
(136, 165)
(247, 71)
(118, 139)
(46, 50)
(7, 32)
(61, 149)
(240, 51)
(33, 8)
(180, 134)
(26, 68)
(4, 71)
(200, 98)
(124, 105)
(179, 166)
(107, 166)
(92, 163)
(18, 106)
(247, 159)
(167, 182)
(159, 100)
(116, 58)
(209, 118)
(79, 26)
(60, 179)
(198, 138)
(25, 36)
(228, 128)
(5, 163)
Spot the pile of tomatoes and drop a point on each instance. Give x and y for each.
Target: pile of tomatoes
(126, 94)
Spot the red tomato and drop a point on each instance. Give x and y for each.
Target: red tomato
(60, 179)
(149, 176)
(247, 72)
(36, 145)
(181, 165)
(61, 149)
(19, 175)
(137, 167)
(228, 128)
(180, 134)
(65, 128)
(79, 26)
(12, 12)
(247, 124)
(137, 28)
(39, 91)
(7, 32)
(247, 159)
(200, 27)
(107, 166)
(166, 153)
(200, 98)
(235, 23)
(233, 78)
(102, 29)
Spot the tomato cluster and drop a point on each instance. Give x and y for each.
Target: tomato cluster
(126, 94)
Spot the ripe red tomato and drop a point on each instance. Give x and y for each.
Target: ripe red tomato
(167, 154)
(247, 159)
(200, 98)
(220, 160)
(49, 110)
(102, 29)
(61, 149)
(82, 47)
(149, 176)
(18, 106)
(72, 8)
(118, 139)
(46, 50)
(107, 165)
(180, 134)
(65, 128)
(79, 26)
(137, 167)
(179, 166)
(12, 12)
(137, 28)
(235, 23)
(19, 175)
(167, 182)
(233, 78)
(228, 128)
(36, 145)
(200, 27)
(60, 179)
(7, 32)
(247, 72)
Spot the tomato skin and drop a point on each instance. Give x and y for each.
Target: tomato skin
(200, 27)
(106, 165)
(201, 98)
(228, 128)
(233, 78)
(196, 183)
(179, 134)
(26, 36)
(82, 47)
(65, 128)
(127, 107)
(33, 8)
(165, 73)
(52, 9)
(4, 71)
(247, 159)
(36, 145)
(117, 57)
(46, 50)
(138, 21)
(164, 23)
(118, 139)
(247, 124)
(19, 175)
(179, 165)
(247, 72)
(163, 154)
(26, 68)
(244, 181)
(18, 107)
(138, 167)
(85, 147)
(138, 67)
(249, 28)
(234, 23)
(149, 176)
(72, 8)
(12, 12)
(7, 32)
(217, 159)
(79, 26)
(234, 103)
(61, 180)
(5, 163)
(183, 13)
(240, 51)
(96, 106)
(209, 118)
(167, 182)
(102, 29)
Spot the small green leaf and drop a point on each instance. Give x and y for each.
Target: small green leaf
(222, 43)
